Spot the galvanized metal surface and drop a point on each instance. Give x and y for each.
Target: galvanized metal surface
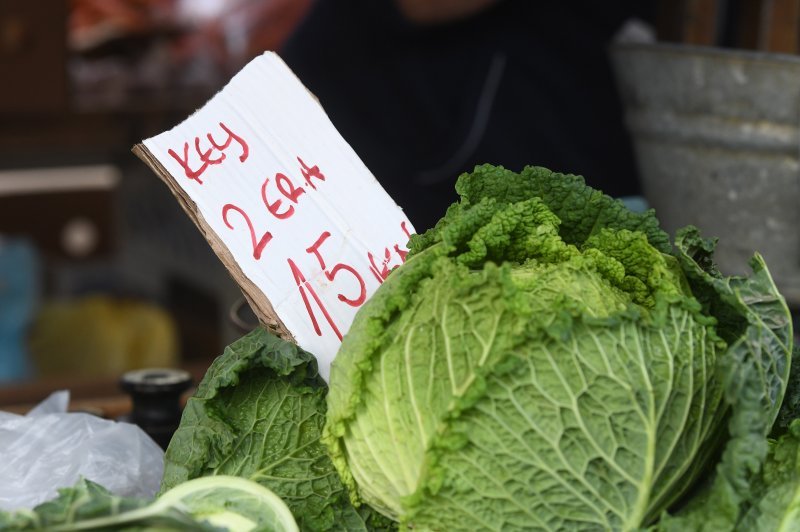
(718, 146)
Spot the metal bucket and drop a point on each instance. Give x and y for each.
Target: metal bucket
(717, 143)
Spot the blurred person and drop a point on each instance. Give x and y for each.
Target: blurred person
(426, 89)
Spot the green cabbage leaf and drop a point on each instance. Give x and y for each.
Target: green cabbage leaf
(775, 503)
(212, 504)
(258, 414)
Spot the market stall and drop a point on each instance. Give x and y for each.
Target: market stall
(545, 356)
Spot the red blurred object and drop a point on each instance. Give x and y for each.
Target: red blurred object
(229, 32)
(125, 50)
(95, 22)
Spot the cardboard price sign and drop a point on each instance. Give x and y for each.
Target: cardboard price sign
(299, 221)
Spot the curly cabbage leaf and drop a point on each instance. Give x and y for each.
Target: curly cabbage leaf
(790, 409)
(258, 413)
(775, 503)
(756, 376)
(542, 361)
(756, 487)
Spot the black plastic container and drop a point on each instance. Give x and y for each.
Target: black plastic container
(156, 395)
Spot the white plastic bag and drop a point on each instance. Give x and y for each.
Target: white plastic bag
(50, 448)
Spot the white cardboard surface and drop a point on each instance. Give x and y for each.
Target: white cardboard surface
(278, 127)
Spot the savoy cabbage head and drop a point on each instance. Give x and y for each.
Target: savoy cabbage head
(545, 359)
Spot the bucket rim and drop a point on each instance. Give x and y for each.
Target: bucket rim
(693, 51)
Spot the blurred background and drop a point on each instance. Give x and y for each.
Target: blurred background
(688, 106)
(101, 272)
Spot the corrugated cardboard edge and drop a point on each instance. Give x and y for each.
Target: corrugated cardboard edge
(255, 297)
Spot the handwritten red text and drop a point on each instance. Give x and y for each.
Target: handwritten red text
(215, 154)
